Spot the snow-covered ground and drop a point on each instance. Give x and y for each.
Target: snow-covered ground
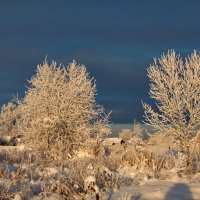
(174, 189)
(135, 165)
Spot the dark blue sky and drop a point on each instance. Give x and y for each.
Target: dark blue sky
(116, 40)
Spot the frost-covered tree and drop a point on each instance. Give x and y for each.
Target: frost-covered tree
(125, 134)
(175, 86)
(59, 110)
(137, 129)
(9, 116)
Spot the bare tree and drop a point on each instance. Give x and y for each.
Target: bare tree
(59, 110)
(175, 86)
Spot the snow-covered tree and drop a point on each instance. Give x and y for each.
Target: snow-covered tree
(175, 86)
(59, 110)
(125, 134)
(9, 116)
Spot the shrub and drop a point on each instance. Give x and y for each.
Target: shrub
(175, 84)
(59, 110)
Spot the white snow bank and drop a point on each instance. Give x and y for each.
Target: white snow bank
(162, 190)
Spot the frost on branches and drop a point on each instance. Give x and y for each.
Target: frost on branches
(175, 86)
(9, 116)
(59, 111)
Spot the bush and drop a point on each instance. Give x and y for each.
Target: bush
(59, 110)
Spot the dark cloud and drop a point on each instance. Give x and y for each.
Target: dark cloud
(116, 40)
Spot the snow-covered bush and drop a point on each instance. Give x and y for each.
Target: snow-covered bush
(90, 185)
(59, 110)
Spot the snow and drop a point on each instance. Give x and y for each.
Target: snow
(175, 189)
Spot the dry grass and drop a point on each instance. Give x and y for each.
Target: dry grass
(25, 174)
